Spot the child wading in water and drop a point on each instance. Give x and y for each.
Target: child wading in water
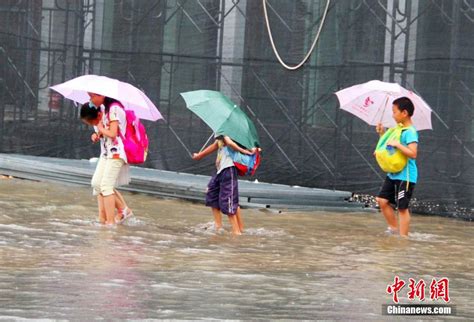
(108, 118)
(398, 187)
(222, 191)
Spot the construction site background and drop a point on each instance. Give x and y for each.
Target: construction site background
(168, 47)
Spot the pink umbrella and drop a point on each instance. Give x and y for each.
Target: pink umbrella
(372, 102)
(131, 97)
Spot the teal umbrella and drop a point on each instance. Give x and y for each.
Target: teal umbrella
(222, 116)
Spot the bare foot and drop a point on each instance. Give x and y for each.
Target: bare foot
(391, 231)
(236, 232)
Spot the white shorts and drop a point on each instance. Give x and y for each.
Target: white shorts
(108, 174)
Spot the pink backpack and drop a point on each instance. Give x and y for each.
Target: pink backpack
(135, 140)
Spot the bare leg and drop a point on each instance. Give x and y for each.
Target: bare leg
(217, 218)
(119, 202)
(388, 213)
(240, 221)
(119, 205)
(109, 204)
(404, 215)
(234, 224)
(100, 202)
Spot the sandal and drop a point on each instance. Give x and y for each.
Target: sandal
(126, 213)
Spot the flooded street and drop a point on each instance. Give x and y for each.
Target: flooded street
(57, 262)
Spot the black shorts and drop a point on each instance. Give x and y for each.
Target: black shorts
(395, 191)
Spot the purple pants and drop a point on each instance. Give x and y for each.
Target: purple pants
(223, 191)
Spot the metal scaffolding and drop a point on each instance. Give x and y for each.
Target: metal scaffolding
(167, 47)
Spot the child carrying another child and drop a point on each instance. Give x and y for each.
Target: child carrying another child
(108, 118)
(222, 191)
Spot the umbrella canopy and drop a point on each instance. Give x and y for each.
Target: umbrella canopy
(131, 97)
(222, 116)
(372, 102)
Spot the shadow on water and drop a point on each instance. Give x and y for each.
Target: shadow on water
(58, 262)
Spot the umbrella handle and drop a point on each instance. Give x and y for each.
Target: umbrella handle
(205, 144)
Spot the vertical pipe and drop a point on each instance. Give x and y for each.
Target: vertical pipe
(51, 79)
(220, 42)
(392, 43)
(453, 162)
(27, 63)
(2, 112)
(12, 82)
(131, 38)
(92, 50)
(307, 78)
(65, 56)
(407, 41)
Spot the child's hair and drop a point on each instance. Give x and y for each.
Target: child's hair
(109, 101)
(89, 112)
(405, 104)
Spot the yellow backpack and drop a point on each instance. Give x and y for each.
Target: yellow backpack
(389, 158)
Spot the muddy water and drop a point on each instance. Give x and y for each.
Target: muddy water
(57, 262)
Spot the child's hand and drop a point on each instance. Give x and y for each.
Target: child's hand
(379, 129)
(196, 156)
(250, 151)
(95, 137)
(393, 143)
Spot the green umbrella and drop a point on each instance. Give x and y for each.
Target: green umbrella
(222, 116)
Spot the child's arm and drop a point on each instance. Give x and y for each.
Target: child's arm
(211, 148)
(411, 150)
(111, 132)
(234, 146)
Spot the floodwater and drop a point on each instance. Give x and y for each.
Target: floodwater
(57, 262)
